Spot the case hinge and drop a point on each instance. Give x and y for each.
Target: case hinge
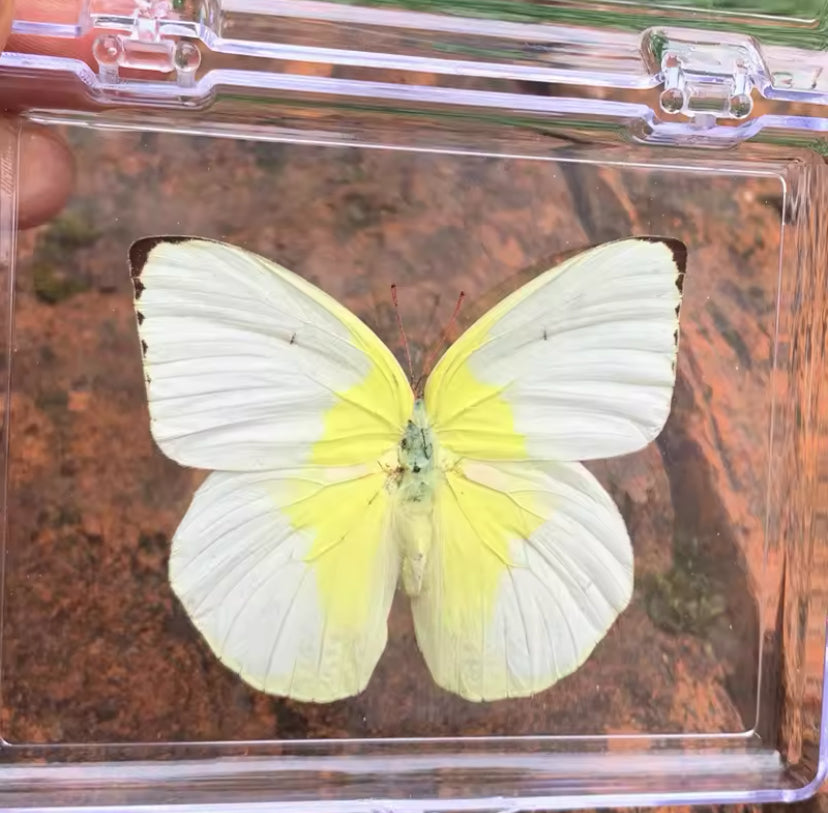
(146, 45)
(706, 76)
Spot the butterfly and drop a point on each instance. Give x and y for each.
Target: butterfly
(333, 481)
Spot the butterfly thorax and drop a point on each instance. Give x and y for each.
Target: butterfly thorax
(415, 478)
(416, 455)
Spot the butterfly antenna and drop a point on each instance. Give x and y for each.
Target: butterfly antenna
(402, 333)
(445, 336)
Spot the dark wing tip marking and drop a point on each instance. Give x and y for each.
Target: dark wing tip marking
(144, 347)
(140, 317)
(678, 249)
(140, 250)
(139, 253)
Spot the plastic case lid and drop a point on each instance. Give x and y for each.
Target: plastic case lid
(732, 91)
(677, 74)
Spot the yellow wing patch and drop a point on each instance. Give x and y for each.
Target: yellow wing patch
(479, 528)
(487, 430)
(366, 421)
(347, 521)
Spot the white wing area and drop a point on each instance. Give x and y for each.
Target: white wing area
(260, 587)
(530, 566)
(583, 356)
(244, 360)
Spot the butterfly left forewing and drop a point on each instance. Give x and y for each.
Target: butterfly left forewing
(250, 367)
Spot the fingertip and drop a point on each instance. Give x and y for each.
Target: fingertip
(46, 175)
(6, 17)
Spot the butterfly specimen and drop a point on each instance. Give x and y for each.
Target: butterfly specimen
(333, 481)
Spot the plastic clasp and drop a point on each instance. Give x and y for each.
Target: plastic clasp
(144, 43)
(703, 79)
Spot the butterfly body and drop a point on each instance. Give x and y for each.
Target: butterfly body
(418, 451)
(414, 483)
(332, 482)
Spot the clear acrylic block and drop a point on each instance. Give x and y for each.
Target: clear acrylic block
(439, 150)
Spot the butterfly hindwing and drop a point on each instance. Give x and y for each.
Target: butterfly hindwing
(530, 565)
(289, 577)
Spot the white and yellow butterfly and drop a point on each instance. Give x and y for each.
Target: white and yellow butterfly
(333, 480)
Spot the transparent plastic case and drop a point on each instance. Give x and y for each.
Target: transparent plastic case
(443, 147)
